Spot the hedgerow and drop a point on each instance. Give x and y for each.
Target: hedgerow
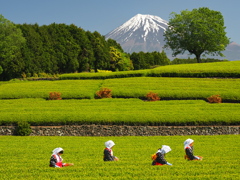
(118, 112)
(135, 87)
(230, 69)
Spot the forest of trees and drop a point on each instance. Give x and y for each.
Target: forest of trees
(61, 48)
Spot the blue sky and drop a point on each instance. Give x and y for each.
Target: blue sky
(105, 15)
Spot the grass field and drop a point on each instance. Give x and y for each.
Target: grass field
(28, 158)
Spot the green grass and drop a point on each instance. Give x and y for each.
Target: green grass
(118, 111)
(28, 158)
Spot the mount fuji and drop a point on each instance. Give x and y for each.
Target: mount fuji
(140, 33)
(145, 33)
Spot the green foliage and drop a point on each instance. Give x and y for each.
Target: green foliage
(23, 129)
(83, 89)
(228, 69)
(1, 69)
(11, 42)
(203, 70)
(119, 61)
(57, 49)
(219, 162)
(200, 31)
(143, 60)
(191, 61)
(131, 87)
(119, 112)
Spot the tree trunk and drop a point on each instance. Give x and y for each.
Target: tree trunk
(198, 58)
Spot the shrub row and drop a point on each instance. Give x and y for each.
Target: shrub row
(19, 156)
(118, 112)
(217, 69)
(137, 87)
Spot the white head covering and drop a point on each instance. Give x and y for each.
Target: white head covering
(187, 143)
(109, 144)
(165, 149)
(57, 150)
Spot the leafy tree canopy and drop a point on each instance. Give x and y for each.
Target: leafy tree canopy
(200, 31)
(11, 41)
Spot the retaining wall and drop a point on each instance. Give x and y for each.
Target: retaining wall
(114, 130)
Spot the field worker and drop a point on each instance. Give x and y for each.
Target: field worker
(108, 152)
(188, 147)
(56, 159)
(158, 157)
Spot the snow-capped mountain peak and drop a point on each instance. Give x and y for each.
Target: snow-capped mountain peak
(140, 29)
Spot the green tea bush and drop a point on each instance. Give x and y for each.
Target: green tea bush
(118, 112)
(23, 129)
(229, 69)
(28, 158)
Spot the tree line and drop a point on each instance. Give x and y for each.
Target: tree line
(30, 49)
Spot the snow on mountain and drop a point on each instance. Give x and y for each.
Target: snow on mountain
(145, 33)
(140, 33)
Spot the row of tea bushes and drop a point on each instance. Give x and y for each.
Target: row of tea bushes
(136, 87)
(230, 69)
(118, 112)
(29, 158)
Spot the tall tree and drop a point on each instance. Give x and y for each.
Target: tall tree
(11, 41)
(101, 52)
(200, 31)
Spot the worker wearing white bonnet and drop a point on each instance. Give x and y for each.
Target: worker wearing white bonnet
(159, 156)
(188, 147)
(108, 152)
(56, 159)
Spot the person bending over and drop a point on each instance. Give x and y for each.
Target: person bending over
(108, 152)
(159, 156)
(56, 159)
(188, 147)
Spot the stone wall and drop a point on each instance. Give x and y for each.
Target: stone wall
(114, 130)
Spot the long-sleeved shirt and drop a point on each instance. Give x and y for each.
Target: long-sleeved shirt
(160, 160)
(108, 155)
(56, 161)
(189, 153)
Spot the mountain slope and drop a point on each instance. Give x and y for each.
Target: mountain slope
(140, 33)
(145, 33)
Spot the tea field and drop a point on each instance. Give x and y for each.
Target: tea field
(28, 158)
(136, 87)
(118, 111)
